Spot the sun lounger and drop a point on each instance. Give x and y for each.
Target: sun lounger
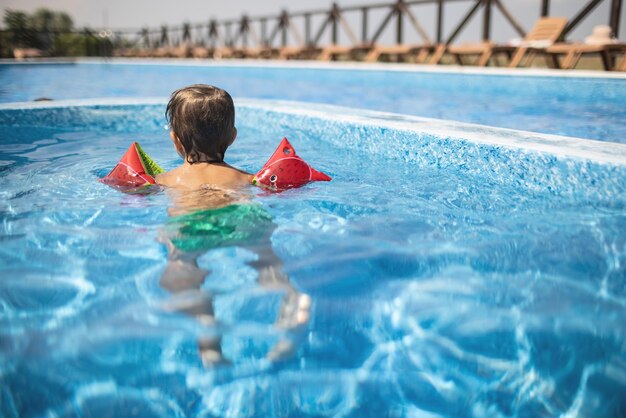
(331, 52)
(25, 53)
(201, 52)
(265, 52)
(546, 32)
(483, 51)
(600, 42)
(421, 52)
(622, 66)
(326, 53)
(573, 52)
(298, 52)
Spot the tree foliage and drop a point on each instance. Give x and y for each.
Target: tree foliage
(50, 31)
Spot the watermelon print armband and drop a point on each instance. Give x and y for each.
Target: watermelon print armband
(134, 170)
(286, 170)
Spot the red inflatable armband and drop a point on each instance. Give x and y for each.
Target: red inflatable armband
(135, 169)
(285, 170)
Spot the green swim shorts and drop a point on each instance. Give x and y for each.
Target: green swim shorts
(244, 225)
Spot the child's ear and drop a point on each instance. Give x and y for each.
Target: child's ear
(177, 145)
(234, 136)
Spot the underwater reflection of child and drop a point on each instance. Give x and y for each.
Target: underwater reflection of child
(212, 209)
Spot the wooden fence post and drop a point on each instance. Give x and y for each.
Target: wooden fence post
(364, 12)
(284, 23)
(334, 16)
(399, 16)
(616, 13)
(164, 36)
(307, 29)
(545, 8)
(439, 21)
(486, 20)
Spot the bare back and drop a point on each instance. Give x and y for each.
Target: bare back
(195, 176)
(200, 186)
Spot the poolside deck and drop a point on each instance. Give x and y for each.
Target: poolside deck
(399, 31)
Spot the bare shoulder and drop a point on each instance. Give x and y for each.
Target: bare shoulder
(165, 179)
(241, 176)
(228, 175)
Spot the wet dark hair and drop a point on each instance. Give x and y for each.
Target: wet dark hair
(203, 119)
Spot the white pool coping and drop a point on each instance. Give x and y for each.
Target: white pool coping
(569, 147)
(326, 65)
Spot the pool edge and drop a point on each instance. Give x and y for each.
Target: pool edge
(332, 65)
(562, 146)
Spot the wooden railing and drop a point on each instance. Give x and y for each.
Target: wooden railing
(297, 28)
(355, 26)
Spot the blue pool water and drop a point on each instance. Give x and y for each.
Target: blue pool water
(584, 107)
(454, 270)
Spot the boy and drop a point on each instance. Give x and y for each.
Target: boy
(212, 211)
(202, 121)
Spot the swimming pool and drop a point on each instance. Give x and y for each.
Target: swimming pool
(580, 104)
(454, 269)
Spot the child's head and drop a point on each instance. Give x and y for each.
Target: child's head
(202, 122)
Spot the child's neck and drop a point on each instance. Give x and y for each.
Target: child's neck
(204, 164)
